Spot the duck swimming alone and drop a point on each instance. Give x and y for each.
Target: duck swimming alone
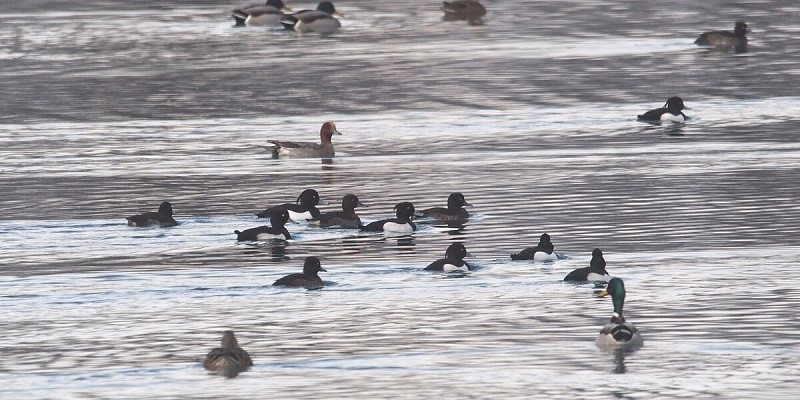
(453, 212)
(260, 15)
(306, 149)
(617, 332)
(162, 217)
(320, 20)
(277, 231)
(309, 277)
(304, 208)
(453, 260)
(463, 10)
(724, 39)
(346, 218)
(402, 224)
(230, 359)
(670, 112)
(543, 251)
(596, 271)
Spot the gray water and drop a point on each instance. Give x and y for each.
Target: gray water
(111, 107)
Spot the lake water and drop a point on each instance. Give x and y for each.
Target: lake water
(111, 107)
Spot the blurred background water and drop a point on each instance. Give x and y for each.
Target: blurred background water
(111, 107)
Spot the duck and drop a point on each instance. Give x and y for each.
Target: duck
(463, 10)
(229, 359)
(320, 20)
(617, 332)
(670, 112)
(543, 251)
(308, 278)
(324, 149)
(402, 224)
(260, 15)
(279, 218)
(346, 218)
(453, 260)
(162, 217)
(453, 212)
(304, 208)
(724, 39)
(596, 271)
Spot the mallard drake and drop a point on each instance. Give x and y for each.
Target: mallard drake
(724, 39)
(453, 212)
(596, 271)
(306, 149)
(230, 359)
(308, 278)
(618, 332)
(543, 251)
(320, 20)
(346, 218)
(402, 224)
(162, 217)
(670, 112)
(260, 15)
(305, 208)
(279, 218)
(453, 260)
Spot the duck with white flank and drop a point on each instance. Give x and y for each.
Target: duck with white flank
(670, 112)
(596, 271)
(346, 218)
(617, 332)
(543, 251)
(277, 231)
(402, 224)
(309, 278)
(303, 209)
(324, 149)
(453, 260)
(320, 20)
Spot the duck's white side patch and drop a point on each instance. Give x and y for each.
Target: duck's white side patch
(451, 267)
(671, 117)
(269, 236)
(597, 277)
(298, 217)
(542, 256)
(397, 228)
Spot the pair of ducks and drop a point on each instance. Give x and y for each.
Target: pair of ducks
(230, 359)
(320, 20)
(305, 209)
(544, 251)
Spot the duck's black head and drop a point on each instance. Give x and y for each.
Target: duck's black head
(598, 262)
(165, 208)
(675, 104)
(350, 202)
(740, 29)
(279, 217)
(229, 340)
(308, 198)
(326, 7)
(456, 251)
(456, 200)
(544, 239)
(404, 211)
(312, 266)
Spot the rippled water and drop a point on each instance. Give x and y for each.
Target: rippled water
(111, 107)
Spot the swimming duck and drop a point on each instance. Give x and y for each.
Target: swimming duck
(278, 219)
(346, 218)
(304, 208)
(307, 149)
(309, 277)
(230, 359)
(260, 15)
(320, 20)
(670, 112)
(724, 39)
(162, 217)
(453, 212)
(401, 224)
(543, 251)
(453, 260)
(464, 10)
(596, 271)
(617, 332)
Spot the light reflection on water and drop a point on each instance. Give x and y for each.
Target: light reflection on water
(532, 118)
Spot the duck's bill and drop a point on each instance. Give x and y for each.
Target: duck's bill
(323, 269)
(323, 202)
(360, 204)
(603, 293)
(338, 14)
(287, 8)
(467, 204)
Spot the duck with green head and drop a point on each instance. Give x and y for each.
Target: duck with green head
(617, 332)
